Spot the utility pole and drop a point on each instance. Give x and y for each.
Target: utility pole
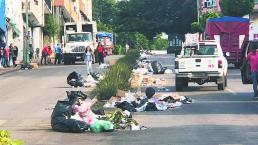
(198, 11)
(25, 50)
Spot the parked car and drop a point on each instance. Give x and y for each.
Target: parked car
(245, 66)
(201, 63)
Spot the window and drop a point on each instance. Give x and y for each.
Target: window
(209, 3)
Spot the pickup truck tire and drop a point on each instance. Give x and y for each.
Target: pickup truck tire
(221, 86)
(179, 84)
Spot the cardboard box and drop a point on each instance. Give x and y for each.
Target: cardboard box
(120, 93)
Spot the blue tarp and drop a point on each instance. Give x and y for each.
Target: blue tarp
(2, 15)
(105, 34)
(228, 19)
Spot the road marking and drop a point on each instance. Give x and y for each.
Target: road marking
(232, 92)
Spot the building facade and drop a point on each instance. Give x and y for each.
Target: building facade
(209, 5)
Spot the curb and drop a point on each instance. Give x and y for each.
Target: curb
(11, 70)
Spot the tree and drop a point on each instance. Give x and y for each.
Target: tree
(199, 27)
(150, 17)
(135, 40)
(104, 11)
(51, 27)
(237, 8)
(159, 43)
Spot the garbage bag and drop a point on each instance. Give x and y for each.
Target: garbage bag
(101, 126)
(157, 68)
(73, 96)
(75, 79)
(126, 106)
(151, 107)
(61, 119)
(150, 92)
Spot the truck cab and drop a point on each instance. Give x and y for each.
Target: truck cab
(78, 36)
(201, 63)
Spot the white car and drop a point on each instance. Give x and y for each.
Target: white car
(201, 63)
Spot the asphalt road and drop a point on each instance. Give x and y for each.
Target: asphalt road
(227, 117)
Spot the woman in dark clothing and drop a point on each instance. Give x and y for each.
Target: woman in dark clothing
(100, 50)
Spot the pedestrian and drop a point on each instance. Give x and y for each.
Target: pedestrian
(100, 53)
(10, 59)
(31, 52)
(58, 53)
(6, 57)
(89, 58)
(44, 55)
(1, 57)
(37, 54)
(252, 58)
(15, 55)
(127, 47)
(49, 53)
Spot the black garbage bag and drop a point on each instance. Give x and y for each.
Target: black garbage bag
(126, 106)
(75, 79)
(151, 107)
(60, 119)
(150, 92)
(95, 75)
(157, 68)
(73, 96)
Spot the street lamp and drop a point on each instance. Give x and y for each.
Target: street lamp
(25, 50)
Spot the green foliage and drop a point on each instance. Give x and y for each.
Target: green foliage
(199, 27)
(135, 40)
(117, 77)
(150, 17)
(51, 27)
(5, 139)
(159, 43)
(195, 26)
(237, 8)
(104, 11)
(104, 27)
(119, 50)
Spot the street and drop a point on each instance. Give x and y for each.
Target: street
(228, 117)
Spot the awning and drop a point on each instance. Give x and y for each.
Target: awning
(13, 25)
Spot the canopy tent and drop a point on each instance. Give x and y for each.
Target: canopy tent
(236, 25)
(105, 34)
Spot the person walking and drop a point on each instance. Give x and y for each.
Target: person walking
(89, 58)
(127, 47)
(58, 53)
(1, 57)
(44, 55)
(6, 57)
(15, 55)
(31, 52)
(100, 50)
(252, 58)
(10, 59)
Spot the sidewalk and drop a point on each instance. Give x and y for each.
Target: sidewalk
(9, 69)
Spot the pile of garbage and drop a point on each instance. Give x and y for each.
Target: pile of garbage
(145, 66)
(75, 79)
(133, 102)
(74, 114)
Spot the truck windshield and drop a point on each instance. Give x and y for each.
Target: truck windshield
(203, 50)
(79, 37)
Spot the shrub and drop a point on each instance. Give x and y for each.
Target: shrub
(5, 139)
(119, 50)
(117, 77)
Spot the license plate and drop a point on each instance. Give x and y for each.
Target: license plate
(78, 57)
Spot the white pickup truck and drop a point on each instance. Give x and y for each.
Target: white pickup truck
(201, 63)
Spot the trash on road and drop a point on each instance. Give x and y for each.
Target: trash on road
(74, 115)
(150, 102)
(75, 79)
